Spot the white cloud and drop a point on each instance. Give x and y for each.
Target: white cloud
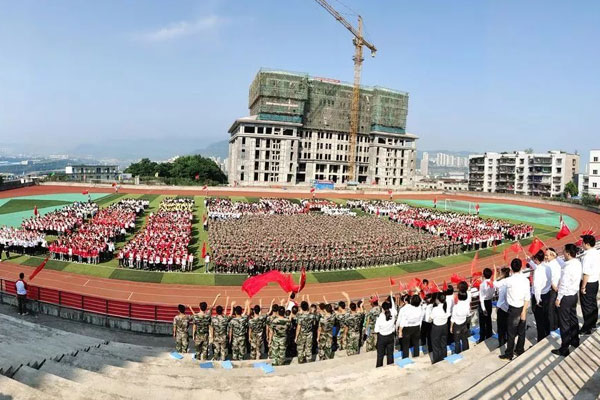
(182, 29)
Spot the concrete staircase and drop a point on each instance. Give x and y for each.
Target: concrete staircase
(126, 371)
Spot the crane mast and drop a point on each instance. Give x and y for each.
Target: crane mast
(359, 41)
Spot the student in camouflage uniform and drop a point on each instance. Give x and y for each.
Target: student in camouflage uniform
(200, 328)
(342, 313)
(279, 327)
(274, 312)
(256, 327)
(180, 330)
(353, 329)
(372, 316)
(304, 333)
(218, 332)
(238, 328)
(325, 332)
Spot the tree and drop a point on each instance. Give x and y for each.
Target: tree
(183, 170)
(144, 167)
(529, 150)
(571, 190)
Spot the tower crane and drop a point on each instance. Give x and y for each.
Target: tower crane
(359, 41)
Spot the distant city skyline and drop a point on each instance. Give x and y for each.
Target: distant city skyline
(147, 77)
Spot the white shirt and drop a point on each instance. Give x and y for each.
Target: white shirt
(517, 290)
(449, 303)
(555, 271)
(542, 280)
(290, 305)
(570, 278)
(485, 293)
(461, 311)
(591, 264)
(384, 327)
(437, 316)
(500, 286)
(410, 316)
(20, 285)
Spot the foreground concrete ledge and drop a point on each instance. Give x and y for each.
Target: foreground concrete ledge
(112, 322)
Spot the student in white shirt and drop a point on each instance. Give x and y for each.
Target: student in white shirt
(459, 321)
(384, 328)
(566, 301)
(486, 294)
(409, 326)
(540, 294)
(438, 317)
(21, 288)
(554, 265)
(518, 293)
(589, 284)
(502, 306)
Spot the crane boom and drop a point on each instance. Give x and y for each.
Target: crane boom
(359, 41)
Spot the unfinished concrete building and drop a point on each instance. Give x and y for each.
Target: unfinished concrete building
(298, 132)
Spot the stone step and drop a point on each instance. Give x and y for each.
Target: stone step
(13, 389)
(576, 376)
(60, 387)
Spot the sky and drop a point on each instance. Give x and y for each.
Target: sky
(482, 75)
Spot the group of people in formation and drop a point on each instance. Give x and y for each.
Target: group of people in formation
(163, 243)
(94, 240)
(434, 319)
(21, 241)
(320, 235)
(63, 220)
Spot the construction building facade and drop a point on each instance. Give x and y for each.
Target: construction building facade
(298, 132)
(540, 174)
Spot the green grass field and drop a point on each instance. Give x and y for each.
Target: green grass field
(199, 276)
(18, 205)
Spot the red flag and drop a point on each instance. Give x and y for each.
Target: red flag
(312, 190)
(392, 281)
(455, 278)
(254, 284)
(445, 286)
(564, 230)
(197, 177)
(422, 294)
(516, 247)
(588, 232)
(302, 279)
(434, 288)
(434, 200)
(390, 191)
(114, 184)
(491, 282)
(474, 264)
(414, 283)
(203, 249)
(535, 246)
(204, 187)
(35, 211)
(476, 283)
(401, 286)
(477, 207)
(39, 268)
(85, 192)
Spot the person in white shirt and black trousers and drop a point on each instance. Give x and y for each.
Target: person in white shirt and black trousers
(555, 265)
(384, 328)
(566, 301)
(21, 288)
(438, 317)
(459, 321)
(589, 284)
(409, 326)
(502, 304)
(518, 294)
(486, 294)
(540, 294)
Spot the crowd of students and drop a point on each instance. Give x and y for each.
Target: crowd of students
(94, 241)
(21, 241)
(223, 209)
(63, 220)
(423, 316)
(163, 243)
(472, 231)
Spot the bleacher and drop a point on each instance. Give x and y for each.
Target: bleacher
(45, 363)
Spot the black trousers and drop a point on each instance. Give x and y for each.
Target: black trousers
(589, 306)
(385, 347)
(485, 321)
(515, 328)
(568, 323)
(461, 337)
(410, 338)
(22, 303)
(439, 341)
(552, 311)
(426, 335)
(502, 320)
(541, 313)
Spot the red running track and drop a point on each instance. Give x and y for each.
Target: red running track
(168, 294)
